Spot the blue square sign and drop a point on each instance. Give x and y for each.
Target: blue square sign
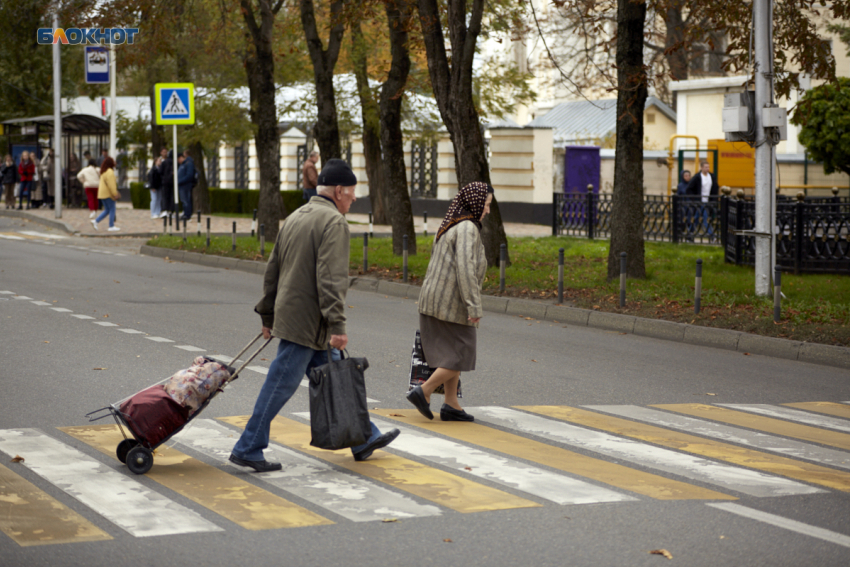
(97, 65)
(175, 103)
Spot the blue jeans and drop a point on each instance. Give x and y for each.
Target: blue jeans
(290, 365)
(308, 193)
(108, 209)
(186, 198)
(156, 206)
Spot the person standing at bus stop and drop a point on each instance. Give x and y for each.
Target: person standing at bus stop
(9, 176)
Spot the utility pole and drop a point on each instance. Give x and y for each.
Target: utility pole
(113, 109)
(763, 71)
(57, 122)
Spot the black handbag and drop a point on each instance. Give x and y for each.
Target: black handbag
(339, 417)
(419, 369)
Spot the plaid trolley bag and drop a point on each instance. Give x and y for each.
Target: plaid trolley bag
(159, 412)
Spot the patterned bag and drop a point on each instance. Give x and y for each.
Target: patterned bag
(191, 387)
(419, 369)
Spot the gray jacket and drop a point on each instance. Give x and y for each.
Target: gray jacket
(452, 287)
(306, 278)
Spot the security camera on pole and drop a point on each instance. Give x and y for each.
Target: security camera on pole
(175, 104)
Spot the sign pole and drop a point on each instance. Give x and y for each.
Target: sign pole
(174, 166)
(112, 110)
(57, 126)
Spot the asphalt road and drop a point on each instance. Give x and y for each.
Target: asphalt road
(544, 485)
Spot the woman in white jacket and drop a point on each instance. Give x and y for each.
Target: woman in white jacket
(89, 176)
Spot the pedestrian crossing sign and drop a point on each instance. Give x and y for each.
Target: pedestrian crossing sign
(175, 103)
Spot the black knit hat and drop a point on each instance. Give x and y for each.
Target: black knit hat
(337, 172)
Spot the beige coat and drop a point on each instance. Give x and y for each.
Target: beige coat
(452, 287)
(89, 176)
(108, 189)
(306, 278)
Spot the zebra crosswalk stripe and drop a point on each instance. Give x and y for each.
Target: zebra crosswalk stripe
(123, 501)
(227, 495)
(545, 484)
(829, 408)
(733, 478)
(30, 516)
(612, 474)
(762, 441)
(739, 456)
(315, 481)
(435, 485)
(763, 423)
(793, 415)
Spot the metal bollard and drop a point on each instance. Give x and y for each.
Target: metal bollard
(234, 237)
(199, 223)
(622, 279)
(561, 275)
(425, 223)
(170, 225)
(698, 286)
(263, 240)
(165, 224)
(208, 232)
(365, 252)
(184, 231)
(777, 293)
(254, 223)
(503, 260)
(177, 221)
(404, 258)
(371, 228)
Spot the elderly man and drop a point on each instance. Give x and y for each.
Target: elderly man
(303, 305)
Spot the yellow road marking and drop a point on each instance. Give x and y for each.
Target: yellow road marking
(426, 482)
(828, 408)
(762, 423)
(742, 456)
(620, 476)
(225, 494)
(32, 517)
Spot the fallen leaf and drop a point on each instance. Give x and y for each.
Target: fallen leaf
(710, 394)
(396, 415)
(723, 537)
(663, 552)
(105, 316)
(447, 540)
(746, 354)
(351, 307)
(18, 459)
(532, 360)
(98, 368)
(596, 307)
(266, 359)
(467, 468)
(47, 342)
(56, 300)
(388, 520)
(116, 281)
(529, 318)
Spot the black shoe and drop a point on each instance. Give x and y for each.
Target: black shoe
(259, 466)
(379, 443)
(448, 413)
(417, 398)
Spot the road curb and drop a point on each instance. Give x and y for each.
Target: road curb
(59, 225)
(726, 339)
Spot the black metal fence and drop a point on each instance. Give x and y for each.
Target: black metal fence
(812, 235)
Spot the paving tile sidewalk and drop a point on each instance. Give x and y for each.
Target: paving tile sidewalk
(138, 222)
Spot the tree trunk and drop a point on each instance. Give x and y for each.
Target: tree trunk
(259, 64)
(676, 52)
(627, 202)
(157, 137)
(324, 61)
(371, 126)
(400, 212)
(452, 86)
(201, 193)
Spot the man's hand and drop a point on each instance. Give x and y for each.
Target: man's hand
(267, 333)
(473, 319)
(339, 342)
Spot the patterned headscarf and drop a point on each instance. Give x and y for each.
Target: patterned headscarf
(467, 205)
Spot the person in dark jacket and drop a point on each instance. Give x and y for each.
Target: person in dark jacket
(684, 179)
(26, 172)
(167, 173)
(704, 185)
(9, 176)
(185, 182)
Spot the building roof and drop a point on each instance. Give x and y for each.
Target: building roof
(584, 120)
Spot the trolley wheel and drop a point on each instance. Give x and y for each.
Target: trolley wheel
(139, 459)
(124, 448)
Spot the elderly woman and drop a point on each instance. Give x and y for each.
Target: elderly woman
(450, 301)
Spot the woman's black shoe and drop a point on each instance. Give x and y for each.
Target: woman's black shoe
(417, 398)
(448, 413)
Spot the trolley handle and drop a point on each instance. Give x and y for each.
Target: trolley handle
(92, 417)
(252, 357)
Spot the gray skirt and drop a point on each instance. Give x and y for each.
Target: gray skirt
(448, 345)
